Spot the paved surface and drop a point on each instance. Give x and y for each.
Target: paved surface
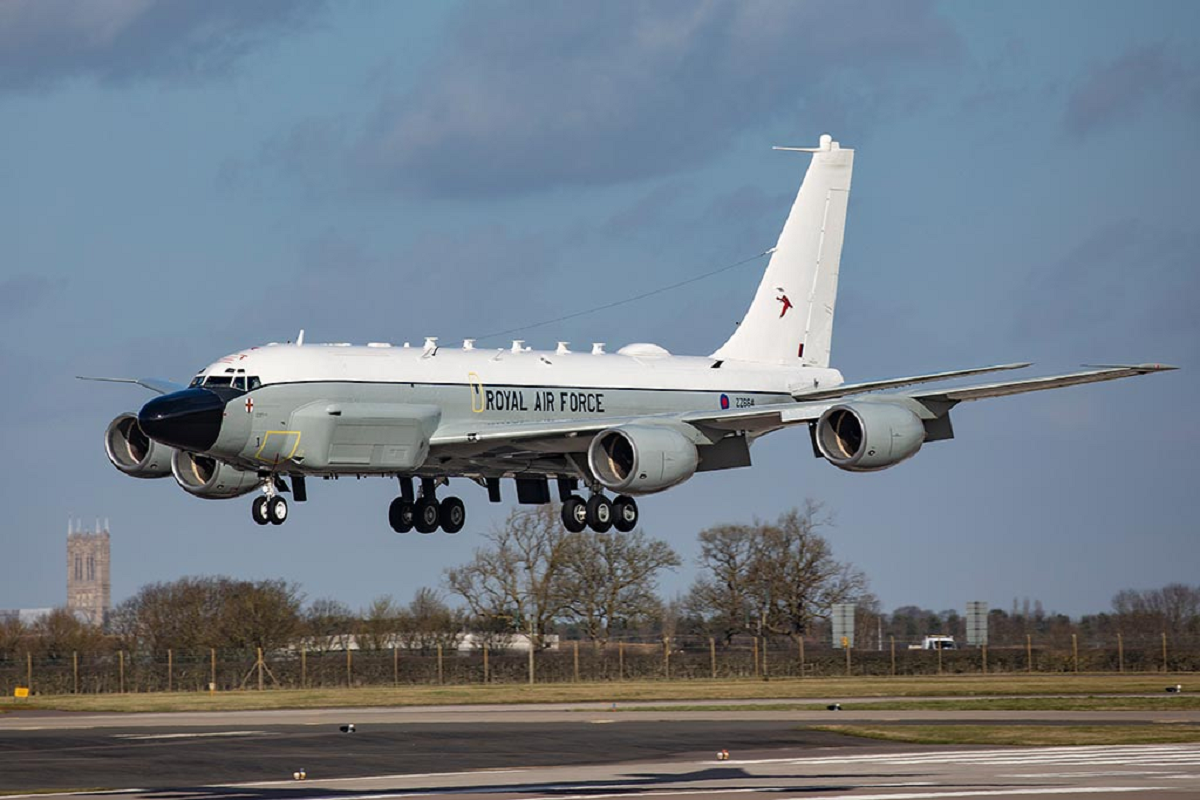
(563, 753)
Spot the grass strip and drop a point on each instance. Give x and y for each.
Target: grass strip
(1026, 735)
(694, 691)
(1090, 703)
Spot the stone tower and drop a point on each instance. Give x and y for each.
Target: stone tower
(89, 582)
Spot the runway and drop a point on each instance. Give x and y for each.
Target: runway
(571, 752)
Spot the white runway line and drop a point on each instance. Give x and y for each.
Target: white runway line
(396, 776)
(140, 737)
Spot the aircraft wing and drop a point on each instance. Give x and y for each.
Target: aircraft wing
(845, 389)
(573, 435)
(153, 384)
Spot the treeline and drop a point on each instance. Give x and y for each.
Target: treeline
(770, 582)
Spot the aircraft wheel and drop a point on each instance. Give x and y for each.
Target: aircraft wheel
(400, 515)
(258, 510)
(625, 513)
(574, 514)
(277, 510)
(452, 514)
(425, 515)
(599, 513)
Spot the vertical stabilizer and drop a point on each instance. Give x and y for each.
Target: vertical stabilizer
(790, 321)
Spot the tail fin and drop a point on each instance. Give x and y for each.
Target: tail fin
(790, 321)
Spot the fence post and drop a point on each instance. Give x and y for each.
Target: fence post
(802, 655)
(441, 673)
(984, 648)
(121, 671)
(1075, 651)
(712, 656)
(847, 659)
(259, 667)
(939, 652)
(892, 639)
(757, 671)
(531, 666)
(1029, 653)
(171, 670)
(303, 668)
(576, 643)
(29, 670)
(349, 669)
(75, 662)
(667, 657)
(1120, 653)
(1164, 638)
(395, 665)
(212, 658)
(620, 661)
(766, 672)
(487, 678)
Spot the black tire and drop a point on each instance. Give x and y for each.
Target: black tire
(599, 513)
(625, 513)
(425, 515)
(258, 510)
(400, 515)
(574, 514)
(277, 510)
(452, 514)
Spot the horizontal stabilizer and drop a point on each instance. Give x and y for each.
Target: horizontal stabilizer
(894, 383)
(963, 393)
(153, 384)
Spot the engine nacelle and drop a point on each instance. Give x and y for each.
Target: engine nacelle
(133, 452)
(211, 479)
(642, 459)
(863, 437)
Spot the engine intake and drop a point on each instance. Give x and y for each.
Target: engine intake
(863, 437)
(133, 452)
(206, 477)
(642, 459)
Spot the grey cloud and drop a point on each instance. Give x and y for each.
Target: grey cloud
(21, 294)
(45, 41)
(539, 95)
(1119, 89)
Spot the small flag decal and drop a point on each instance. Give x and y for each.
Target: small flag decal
(725, 402)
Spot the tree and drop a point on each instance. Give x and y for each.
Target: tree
(380, 625)
(774, 579)
(610, 579)
(327, 625)
(60, 633)
(428, 621)
(520, 575)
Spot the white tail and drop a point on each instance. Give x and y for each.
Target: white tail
(790, 320)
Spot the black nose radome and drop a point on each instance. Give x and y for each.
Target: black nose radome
(189, 419)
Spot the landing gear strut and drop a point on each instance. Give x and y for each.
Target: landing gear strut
(270, 507)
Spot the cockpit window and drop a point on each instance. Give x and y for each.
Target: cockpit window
(254, 382)
(218, 380)
(196, 381)
(239, 383)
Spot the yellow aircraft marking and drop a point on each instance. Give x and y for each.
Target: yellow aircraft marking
(267, 437)
(476, 392)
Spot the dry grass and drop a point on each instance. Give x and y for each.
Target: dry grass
(1087, 703)
(841, 689)
(1024, 735)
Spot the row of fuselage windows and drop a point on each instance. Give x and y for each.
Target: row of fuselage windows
(242, 383)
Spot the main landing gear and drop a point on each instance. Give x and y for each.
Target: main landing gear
(599, 513)
(426, 514)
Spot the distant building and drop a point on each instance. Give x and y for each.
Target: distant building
(89, 577)
(26, 616)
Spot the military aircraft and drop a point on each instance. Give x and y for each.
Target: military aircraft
(633, 422)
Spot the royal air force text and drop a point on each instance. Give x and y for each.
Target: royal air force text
(543, 400)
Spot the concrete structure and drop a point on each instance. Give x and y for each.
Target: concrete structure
(89, 581)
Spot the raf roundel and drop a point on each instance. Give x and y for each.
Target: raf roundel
(724, 402)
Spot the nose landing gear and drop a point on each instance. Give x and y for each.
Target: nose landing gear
(270, 507)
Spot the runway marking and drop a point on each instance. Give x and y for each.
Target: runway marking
(1115, 755)
(1009, 792)
(386, 778)
(137, 737)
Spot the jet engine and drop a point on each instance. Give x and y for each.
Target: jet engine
(642, 459)
(133, 452)
(211, 479)
(864, 437)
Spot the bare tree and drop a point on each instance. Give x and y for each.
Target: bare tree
(520, 575)
(60, 633)
(380, 625)
(327, 625)
(774, 579)
(428, 622)
(611, 579)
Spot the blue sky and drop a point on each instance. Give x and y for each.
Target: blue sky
(184, 179)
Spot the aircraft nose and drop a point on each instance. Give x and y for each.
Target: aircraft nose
(188, 419)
